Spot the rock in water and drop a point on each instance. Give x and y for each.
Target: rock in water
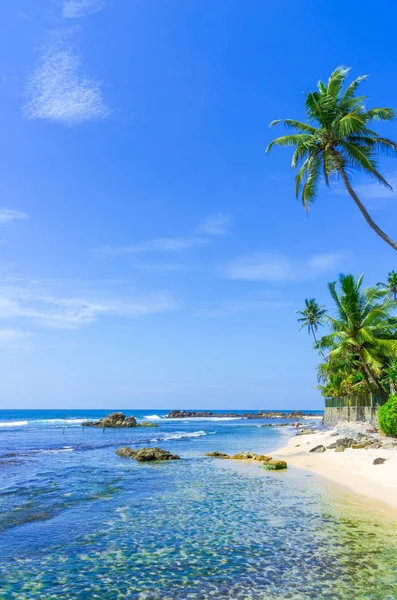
(251, 456)
(217, 455)
(126, 451)
(379, 461)
(115, 420)
(318, 449)
(147, 454)
(275, 465)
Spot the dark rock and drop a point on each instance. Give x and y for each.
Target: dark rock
(360, 445)
(250, 456)
(186, 414)
(318, 449)
(344, 443)
(147, 454)
(115, 420)
(361, 436)
(379, 461)
(335, 434)
(126, 451)
(217, 455)
(331, 446)
(339, 449)
(307, 431)
(275, 465)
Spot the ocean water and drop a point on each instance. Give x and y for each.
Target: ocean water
(78, 522)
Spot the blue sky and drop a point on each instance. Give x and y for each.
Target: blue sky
(152, 256)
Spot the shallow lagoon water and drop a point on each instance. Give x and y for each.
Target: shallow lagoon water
(77, 521)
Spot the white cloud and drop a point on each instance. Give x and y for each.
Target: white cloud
(13, 335)
(171, 245)
(8, 216)
(58, 90)
(74, 9)
(28, 303)
(274, 267)
(216, 225)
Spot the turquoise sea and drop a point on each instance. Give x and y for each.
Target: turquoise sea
(78, 522)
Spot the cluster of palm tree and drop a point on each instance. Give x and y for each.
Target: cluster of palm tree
(359, 349)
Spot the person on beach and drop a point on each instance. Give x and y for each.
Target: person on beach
(297, 426)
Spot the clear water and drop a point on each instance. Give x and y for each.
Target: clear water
(78, 522)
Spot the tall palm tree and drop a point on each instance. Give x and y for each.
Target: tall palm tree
(337, 140)
(363, 327)
(391, 284)
(312, 316)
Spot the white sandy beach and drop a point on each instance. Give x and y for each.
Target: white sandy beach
(353, 468)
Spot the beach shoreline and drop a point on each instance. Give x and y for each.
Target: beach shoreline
(352, 469)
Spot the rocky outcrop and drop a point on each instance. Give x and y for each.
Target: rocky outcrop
(261, 414)
(217, 455)
(344, 443)
(379, 461)
(117, 420)
(318, 449)
(147, 454)
(275, 465)
(241, 456)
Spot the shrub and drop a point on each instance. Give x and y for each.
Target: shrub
(387, 417)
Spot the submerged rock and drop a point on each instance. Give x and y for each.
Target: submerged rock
(217, 455)
(147, 454)
(318, 449)
(147, 424)
(379, 461)
(275, 465)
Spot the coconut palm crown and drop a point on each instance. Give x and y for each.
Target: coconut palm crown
(337, 140)
(311, 317)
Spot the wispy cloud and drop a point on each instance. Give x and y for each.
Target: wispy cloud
(13, 335)
(8, 216)
(59, 91)
(75, 9)
(218, 225)
(27, 302)
(279, 268)
(375, 191)
(171, 245)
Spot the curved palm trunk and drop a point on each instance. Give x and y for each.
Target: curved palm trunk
(315, 340)
(364, 211)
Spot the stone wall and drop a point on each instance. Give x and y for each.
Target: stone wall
(351, 413)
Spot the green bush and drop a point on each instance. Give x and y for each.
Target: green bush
(387, 417)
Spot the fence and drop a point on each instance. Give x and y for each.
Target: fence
(374, 400)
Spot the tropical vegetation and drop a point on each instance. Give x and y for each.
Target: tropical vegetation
(359, 347)
(387, 416)
(337, 139)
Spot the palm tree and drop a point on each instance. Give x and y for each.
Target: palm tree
(363, 327)
(391, 285)
(337, 140)
(311, 317)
